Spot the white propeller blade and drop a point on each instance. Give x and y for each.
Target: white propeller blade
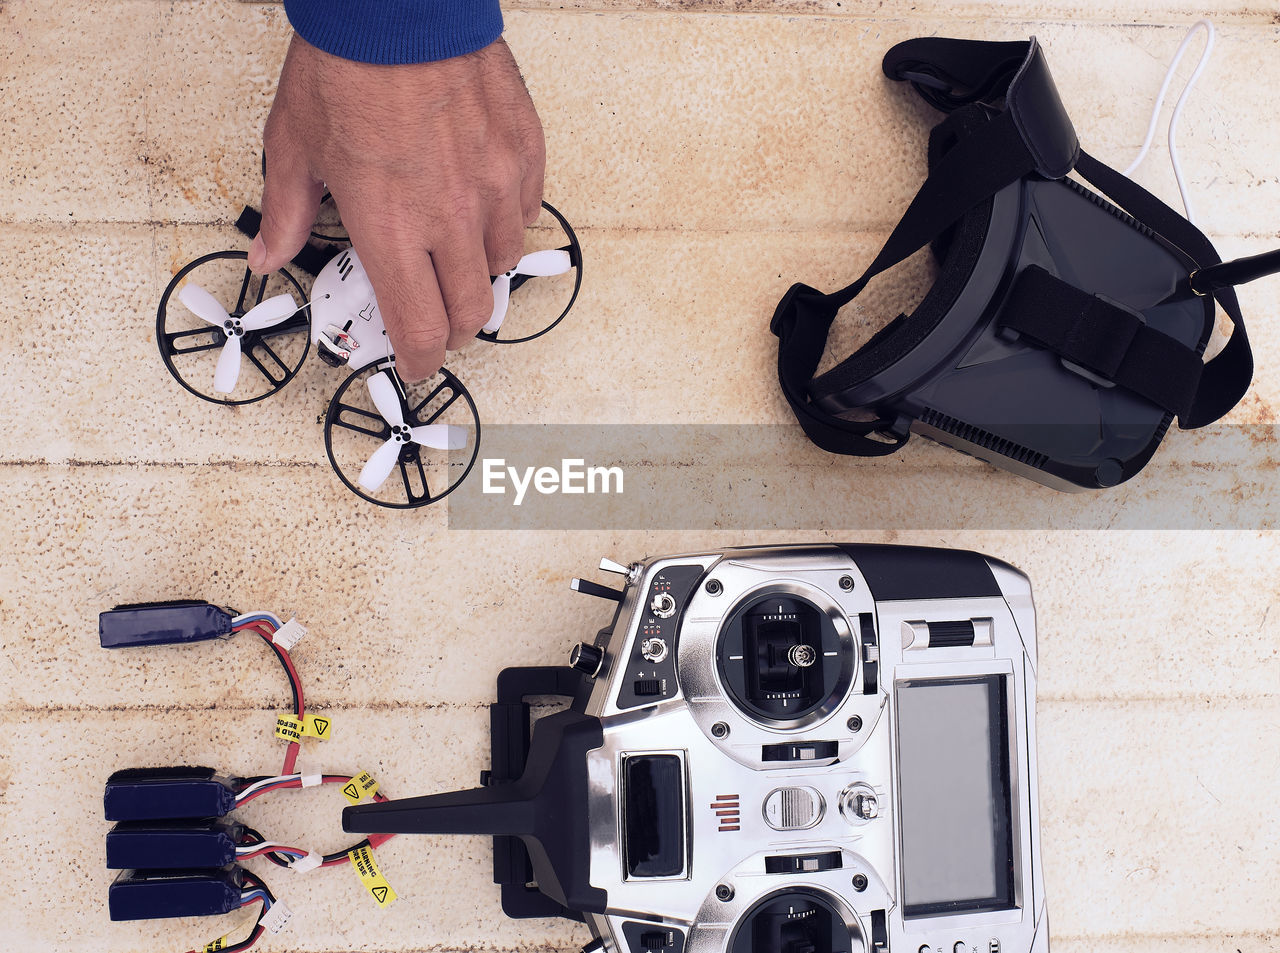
(228, 370)
(380, 465)
(544, 264)
(206, 307)
(537, 264)
(501, 298)
(383, 461)
(440, 436)
(272, 311)
(203, 305)
(385, 397)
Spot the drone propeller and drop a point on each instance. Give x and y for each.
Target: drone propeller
(206, 307)
(436, 436)
(538, 264)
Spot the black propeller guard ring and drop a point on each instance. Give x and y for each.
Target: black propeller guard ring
(575, 259)
(442, 383)
(300, 322)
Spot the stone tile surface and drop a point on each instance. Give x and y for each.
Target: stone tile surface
(709, 152)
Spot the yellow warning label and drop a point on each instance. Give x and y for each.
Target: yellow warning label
(367, 869)
(213, 946)
(314, 726)
(289, 728)
(361, 786)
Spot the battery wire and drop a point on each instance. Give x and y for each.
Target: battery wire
(283, 856)
(265, 624)
(258, 892)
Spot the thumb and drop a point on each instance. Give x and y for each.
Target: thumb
(290, 200)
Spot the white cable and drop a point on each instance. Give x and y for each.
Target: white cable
(1177, 110)
(255, 616)
(265, 782)
(268, 845)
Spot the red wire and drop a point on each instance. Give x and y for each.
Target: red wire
(375, 840)
(297, 783)
(291, 754)
(254, 935)
(266, 632)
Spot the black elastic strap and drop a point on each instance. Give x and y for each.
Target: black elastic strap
(1227, 376)
(949, 73)
(311, 259)
(1104, 338)
(978, 167)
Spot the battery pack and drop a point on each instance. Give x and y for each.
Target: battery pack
(165, 845)
(148, 794)
(162, 623)
(155, 894)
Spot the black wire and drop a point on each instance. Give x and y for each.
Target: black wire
(257, 881)
(293, 686)
(284, 860)
(257, 930)
(329, 858)
(248, 941)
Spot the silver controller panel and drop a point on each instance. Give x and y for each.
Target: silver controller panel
(816, 749)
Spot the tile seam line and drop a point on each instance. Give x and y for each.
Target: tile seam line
(1083, 937)
(1093, 938)
(241, 709)
(1259, 701)
(1062, 15)
(1171, 466)
(62, 224)
(941, 15)
(829, 231)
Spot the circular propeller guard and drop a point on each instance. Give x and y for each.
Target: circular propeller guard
(517, 333)
(357, 436)
(271, 356)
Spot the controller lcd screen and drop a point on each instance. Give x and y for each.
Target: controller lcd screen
(953, 783)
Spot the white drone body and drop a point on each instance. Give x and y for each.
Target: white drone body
(346, 324)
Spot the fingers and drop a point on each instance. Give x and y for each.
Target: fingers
(504, 232)
(410, 303)
(436, 176)
(534, 151)
(290, 200)
(463, 276)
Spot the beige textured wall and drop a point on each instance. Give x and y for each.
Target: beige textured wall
(708, 154)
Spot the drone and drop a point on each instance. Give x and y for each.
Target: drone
(231, 337)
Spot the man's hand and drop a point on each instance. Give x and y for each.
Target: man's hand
(436, 169)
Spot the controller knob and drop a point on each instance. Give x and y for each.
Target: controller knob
(663, 605)
(586, 658)
(801, 655)
(866, 806)
(859, 803)
(653, 650)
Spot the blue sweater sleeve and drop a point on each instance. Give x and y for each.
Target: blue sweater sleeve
(396, 31)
